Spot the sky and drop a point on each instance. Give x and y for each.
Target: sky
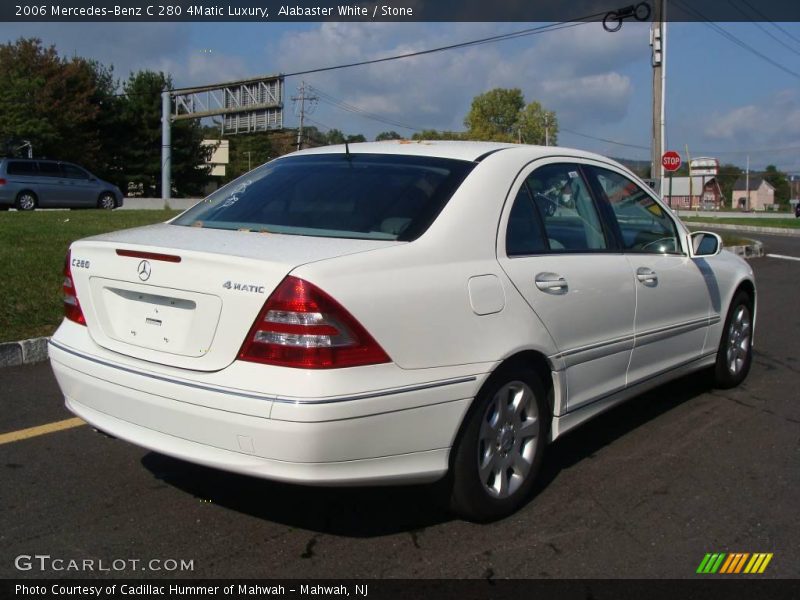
(722, 100)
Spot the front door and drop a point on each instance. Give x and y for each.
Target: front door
(672, 298)
(558, 252)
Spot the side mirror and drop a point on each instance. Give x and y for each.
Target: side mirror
(705, 243)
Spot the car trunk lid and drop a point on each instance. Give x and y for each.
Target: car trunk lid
(187, 296)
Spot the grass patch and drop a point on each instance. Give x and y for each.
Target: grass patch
(32, 249)
(788, 222)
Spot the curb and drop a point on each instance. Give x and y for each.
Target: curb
(753, 250)
(748, 228)
(25, 352)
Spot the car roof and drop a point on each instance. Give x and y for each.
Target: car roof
(459, 150)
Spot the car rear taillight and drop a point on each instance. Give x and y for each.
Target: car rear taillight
(72, 308)
(2, 181)
(303, 327)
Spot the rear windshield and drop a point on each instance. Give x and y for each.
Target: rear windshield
(366, 196)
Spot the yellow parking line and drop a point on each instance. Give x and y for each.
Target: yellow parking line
(24, 434)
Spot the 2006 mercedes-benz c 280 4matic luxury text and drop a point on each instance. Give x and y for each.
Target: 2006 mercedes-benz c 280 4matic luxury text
(397, 312)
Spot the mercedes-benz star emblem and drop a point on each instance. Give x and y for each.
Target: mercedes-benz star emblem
(144, 270)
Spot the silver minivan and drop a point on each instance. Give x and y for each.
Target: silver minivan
(26, 184)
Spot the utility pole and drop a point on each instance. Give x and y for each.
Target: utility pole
(546, 130)
(166, 145)
(747, 186)
(658, 40)
(302, 98)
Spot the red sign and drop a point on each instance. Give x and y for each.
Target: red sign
(671, 160)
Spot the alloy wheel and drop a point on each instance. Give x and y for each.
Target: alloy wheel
(507, 439)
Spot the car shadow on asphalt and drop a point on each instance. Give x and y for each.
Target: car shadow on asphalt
(363, 512)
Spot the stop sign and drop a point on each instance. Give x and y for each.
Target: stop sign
(671, 160)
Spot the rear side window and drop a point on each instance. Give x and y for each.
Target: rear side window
(49, 169)
(21, 167)
(566, 209)
(366, 196)
(524, 234)
(645, 225)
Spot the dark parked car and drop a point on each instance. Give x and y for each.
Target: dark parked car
(27, 184)
(797, 210)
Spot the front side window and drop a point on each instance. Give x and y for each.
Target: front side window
(363, 196)
(73, 172)
(645, 225)
(566, 209)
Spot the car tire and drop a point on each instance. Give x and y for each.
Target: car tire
(26, 200)
(499, 450)
(735, 353)
(107, 201)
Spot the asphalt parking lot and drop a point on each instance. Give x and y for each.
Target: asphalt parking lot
(643, 491)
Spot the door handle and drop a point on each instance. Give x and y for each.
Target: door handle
(646, 276)
(552, 283)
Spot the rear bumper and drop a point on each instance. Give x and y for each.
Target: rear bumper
(396, 436)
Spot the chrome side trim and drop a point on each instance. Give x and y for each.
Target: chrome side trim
(576, 356)
(662, 333)
(268, 397)
(388, 392)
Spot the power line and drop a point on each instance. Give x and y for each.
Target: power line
(487, 40)
(337, 102)
(600, 139)
(735, 40)
(761, 27)
(775, 25)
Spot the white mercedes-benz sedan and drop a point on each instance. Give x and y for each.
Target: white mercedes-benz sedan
(397, 312)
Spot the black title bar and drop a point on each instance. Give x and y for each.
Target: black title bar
(265, 11)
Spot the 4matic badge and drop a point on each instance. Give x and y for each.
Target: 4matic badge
(243, 287)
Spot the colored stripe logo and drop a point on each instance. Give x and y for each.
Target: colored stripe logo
(734, 563)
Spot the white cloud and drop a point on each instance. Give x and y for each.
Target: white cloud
(589, 98)
(773, 120)
(572, 71)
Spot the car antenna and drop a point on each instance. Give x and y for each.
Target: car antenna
(347, 149)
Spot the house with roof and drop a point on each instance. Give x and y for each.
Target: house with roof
(762, 194)
(694, 192)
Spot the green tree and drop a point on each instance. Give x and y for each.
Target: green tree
(433, 134)
(780, 182)
(502, 115)
(246, 152)
(388, 135)
(63, 107)
(334, 136)
(141, 115)
(352, 139)
(537, 125)
(726, 178)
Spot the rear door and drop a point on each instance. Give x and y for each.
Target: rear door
(52, 188)
(673, 301)
(557, 250)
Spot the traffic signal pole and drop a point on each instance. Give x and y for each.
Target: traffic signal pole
(658, 40)
(166, 145)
